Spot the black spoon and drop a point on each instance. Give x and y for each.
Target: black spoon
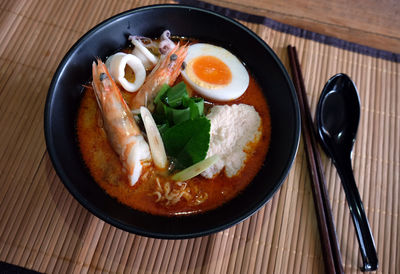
(337, 118)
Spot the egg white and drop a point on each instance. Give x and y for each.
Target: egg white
(233, 90)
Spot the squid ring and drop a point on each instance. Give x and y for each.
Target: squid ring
(116, 65)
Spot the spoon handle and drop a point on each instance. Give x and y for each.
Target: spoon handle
(363, 231)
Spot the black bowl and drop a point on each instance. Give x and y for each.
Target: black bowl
(75, 69)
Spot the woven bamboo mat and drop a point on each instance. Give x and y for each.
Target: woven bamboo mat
(44, 228)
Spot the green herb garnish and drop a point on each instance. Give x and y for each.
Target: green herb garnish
(195, 169)
(187, 142)
(173, 105)
(184, 129)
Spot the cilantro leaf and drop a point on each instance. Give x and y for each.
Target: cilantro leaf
(188, 141)
(175, 95)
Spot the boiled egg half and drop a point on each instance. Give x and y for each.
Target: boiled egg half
(214, 72)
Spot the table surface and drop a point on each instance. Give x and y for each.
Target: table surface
(371, 22)
(42, 227)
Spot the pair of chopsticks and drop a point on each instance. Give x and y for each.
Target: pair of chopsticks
(330, 248)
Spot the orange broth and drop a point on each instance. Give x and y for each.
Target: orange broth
(105, 167)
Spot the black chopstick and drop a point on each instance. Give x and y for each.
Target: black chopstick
(330, 247)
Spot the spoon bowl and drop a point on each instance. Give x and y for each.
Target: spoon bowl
(337, 119)
(341, 98)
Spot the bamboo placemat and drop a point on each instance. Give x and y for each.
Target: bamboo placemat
(44, 228)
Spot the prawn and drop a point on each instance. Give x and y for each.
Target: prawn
(122, 131)
(166, 71)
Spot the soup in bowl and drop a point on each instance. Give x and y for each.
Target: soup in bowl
(224, 151)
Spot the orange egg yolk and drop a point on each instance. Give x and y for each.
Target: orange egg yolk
(212, 70)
